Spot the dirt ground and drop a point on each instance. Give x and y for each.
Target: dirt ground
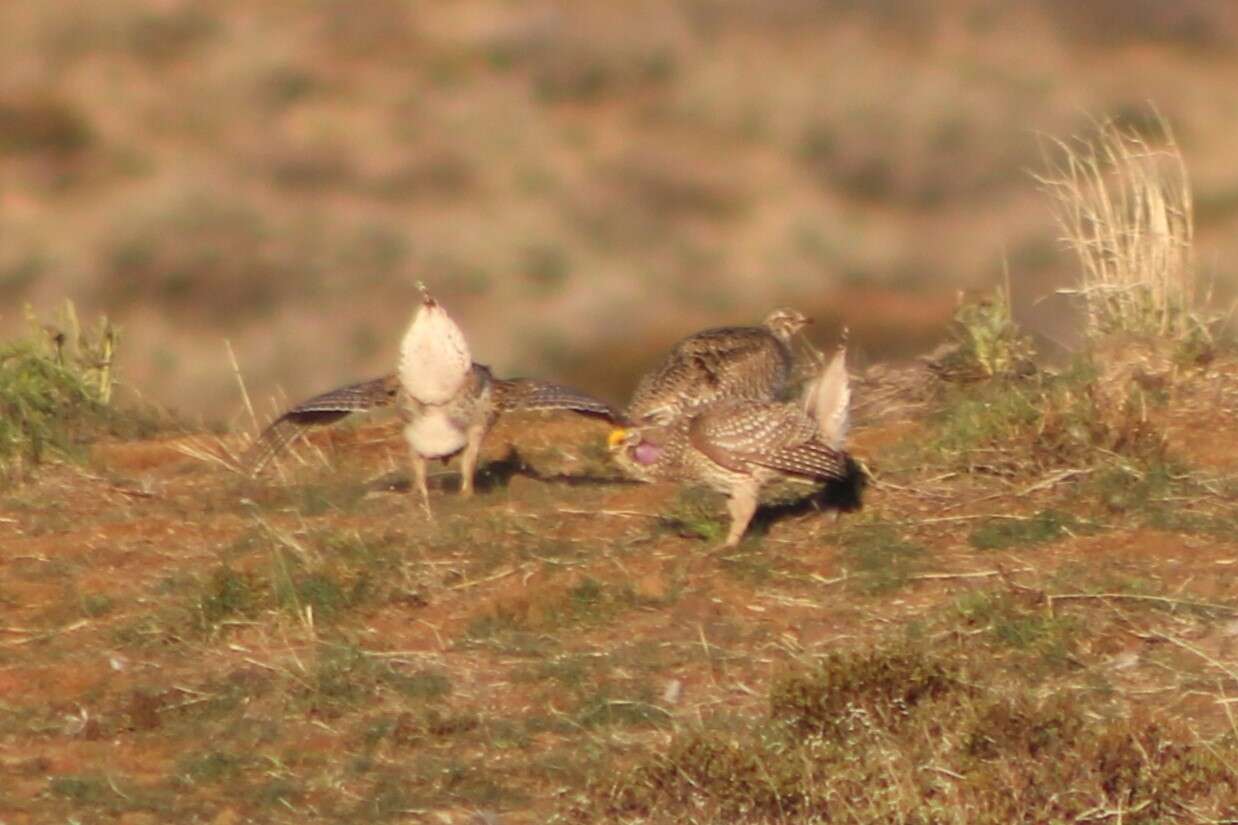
(181, 644)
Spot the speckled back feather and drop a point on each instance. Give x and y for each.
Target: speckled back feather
(727, 362)
(737, 434)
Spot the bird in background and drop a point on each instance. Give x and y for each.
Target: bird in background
(751, 362)
(447, 402)
(737, 446)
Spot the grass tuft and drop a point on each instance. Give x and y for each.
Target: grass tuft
(1123, 201)
(844, 686)
(55, 387)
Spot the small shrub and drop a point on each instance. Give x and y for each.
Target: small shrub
(885, 684)
(1022, 729)
(1193, 25)
(43, 127)
(987, 342)
(545, 268)
(167, 35)
(204, 255)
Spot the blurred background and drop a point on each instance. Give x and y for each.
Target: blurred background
(580, 182)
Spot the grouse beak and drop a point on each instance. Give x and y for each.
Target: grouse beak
(616, 438)
(427, 300)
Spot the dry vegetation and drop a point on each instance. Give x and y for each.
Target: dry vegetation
(1126, 209)
(1033, 618)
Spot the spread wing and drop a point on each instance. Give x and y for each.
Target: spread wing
(740, 434)
(530, 394)
(319, 411)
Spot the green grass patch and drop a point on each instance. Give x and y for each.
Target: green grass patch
(1047, 641)
(748, 564)
(567, 671)
(343, 677)
(1164, 496)
(878, 558)
(1005, 533)
(324, 576)
(55, 387)
(620, 704)
(85, 789)
(214, 767)
(696, 513)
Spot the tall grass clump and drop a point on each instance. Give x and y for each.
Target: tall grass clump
(1123, 202)
(55, 387)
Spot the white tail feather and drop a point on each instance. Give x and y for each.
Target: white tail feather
(434, 357)
(827, 399)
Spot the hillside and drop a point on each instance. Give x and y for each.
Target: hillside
(578, 181)
(1023, 610)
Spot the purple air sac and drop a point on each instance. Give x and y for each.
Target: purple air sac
(646, 453)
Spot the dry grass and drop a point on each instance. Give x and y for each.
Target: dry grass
(1123, 201)
(346, 661)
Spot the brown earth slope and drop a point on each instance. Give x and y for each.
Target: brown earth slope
(181, 644)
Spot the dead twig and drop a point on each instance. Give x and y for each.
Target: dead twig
(984, 574)
(502, 574)
(1220, 608)
(1174, 640)
(616, 513)
(40, 635)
